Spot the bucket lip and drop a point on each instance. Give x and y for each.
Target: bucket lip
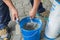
(35, 29)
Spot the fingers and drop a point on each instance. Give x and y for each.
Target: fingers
(31, 17)
(32, 13)
(15, 16)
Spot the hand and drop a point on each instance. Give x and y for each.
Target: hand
(14, 14)
(32, 13)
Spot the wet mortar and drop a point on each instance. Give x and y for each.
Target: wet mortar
(30, 26)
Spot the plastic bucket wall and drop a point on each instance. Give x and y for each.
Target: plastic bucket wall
(31, 34)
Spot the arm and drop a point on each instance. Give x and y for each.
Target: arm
(36, 4)
(12, 8)
(9, 4)
(35, 7)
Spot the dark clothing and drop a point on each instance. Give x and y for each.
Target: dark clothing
(1, 2)
(4, 14)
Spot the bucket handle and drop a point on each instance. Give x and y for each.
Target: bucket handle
(31, 35)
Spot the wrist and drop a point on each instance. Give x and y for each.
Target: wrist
(35, 10)
(12, 9)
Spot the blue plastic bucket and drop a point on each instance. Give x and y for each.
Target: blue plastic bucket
(31, 34)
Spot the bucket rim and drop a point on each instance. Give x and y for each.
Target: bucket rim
(34, 29)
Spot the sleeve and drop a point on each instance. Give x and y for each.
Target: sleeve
(1, 0)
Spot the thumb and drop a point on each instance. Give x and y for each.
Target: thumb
(31, 17)
(16, 16)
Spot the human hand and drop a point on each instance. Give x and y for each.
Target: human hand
(14, 14)
(32, 13)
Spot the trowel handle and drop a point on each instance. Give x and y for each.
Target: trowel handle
(31, 19)
(17, 21)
